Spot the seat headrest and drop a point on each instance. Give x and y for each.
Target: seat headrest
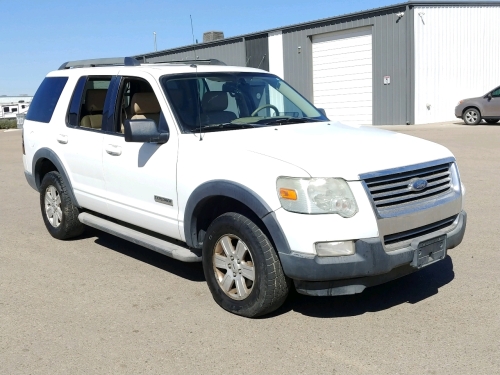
(144, 102)
(214, 101)
(94, 100)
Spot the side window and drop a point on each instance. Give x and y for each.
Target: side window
(87, 103)
(74, 106)
(45, 100)
(496, 93)
(184, 97)
(137, 101)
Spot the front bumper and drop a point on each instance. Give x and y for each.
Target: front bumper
(370, 265)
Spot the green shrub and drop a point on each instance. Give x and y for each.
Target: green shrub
(8, 123)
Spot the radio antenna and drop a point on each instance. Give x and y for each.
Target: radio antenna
(192, 33)
(197, 84)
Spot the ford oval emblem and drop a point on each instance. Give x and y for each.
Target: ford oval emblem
(417, 184)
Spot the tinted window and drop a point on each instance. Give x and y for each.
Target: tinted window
(74, 107)
(46, 98)
(496, 93)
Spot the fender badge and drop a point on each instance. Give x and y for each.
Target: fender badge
(162, 200)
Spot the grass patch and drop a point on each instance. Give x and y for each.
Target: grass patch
(8, 123)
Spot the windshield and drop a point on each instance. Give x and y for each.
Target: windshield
(227, 101)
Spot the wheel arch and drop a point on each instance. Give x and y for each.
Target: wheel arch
(471, 106)
(44, 161)
(214, 198)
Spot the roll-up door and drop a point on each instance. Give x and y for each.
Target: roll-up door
(342, 75)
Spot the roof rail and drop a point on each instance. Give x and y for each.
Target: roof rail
(126, 61)
(199, 62)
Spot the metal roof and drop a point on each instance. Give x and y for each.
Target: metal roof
(322, 20)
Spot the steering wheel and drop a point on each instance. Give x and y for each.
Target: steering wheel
(266, 106)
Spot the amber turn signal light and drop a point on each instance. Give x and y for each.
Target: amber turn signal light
(289, 194)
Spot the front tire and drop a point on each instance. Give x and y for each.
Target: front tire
(242, 269)
(59, 213)
(472, 116)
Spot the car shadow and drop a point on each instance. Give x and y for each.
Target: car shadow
(188, 271)
(482, 123)
(412, 289)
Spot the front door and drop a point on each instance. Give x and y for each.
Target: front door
(141, 177)
(491, 106)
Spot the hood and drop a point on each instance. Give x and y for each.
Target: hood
(332, 149)
(463, 101)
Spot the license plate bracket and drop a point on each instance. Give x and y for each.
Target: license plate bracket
(429, 251)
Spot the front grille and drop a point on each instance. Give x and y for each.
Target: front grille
(392, 190)
(403, 238)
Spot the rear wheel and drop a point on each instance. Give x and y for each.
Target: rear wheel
(242, 269)
(59, 213)
(472, 116)
(492, 120)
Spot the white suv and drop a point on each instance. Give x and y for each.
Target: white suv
(231, 167)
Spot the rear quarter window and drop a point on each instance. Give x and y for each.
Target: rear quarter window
(45, 100)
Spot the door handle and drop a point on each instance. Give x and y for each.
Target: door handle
(62, 138)
(114, 150)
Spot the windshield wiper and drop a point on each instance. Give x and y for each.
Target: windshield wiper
(287, 120)
(222, 126)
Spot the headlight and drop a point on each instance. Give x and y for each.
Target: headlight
(316, 196)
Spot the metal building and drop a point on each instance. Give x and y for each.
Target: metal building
(407, 63)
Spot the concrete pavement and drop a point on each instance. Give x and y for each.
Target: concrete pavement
(101, 305)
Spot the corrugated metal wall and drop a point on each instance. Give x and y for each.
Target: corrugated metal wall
(232, 52)
(257, 51)
(389, 59)
(457, 56)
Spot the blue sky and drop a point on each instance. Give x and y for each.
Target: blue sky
(37, 36)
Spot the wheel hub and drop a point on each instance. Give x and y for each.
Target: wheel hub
(53, 206)
(233, 267)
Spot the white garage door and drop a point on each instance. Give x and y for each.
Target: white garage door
(342, 75)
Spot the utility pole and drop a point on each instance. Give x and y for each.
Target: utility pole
(154, 33)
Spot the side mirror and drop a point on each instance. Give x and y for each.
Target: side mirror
(489, 96)
(322, 111)
(144, 131)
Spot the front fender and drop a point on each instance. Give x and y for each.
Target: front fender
(237, 192)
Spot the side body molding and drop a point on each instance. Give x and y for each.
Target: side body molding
(46, 153)
(237, 192)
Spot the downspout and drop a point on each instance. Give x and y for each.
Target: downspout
(410, 66)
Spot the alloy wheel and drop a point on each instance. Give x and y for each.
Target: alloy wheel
(53, 206)
(233, 266)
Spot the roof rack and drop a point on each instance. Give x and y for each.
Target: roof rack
(199, 62)
(125, 61)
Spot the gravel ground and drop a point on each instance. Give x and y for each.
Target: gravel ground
(101, 305)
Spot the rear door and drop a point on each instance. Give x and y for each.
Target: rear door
(141, 177)
(81, 141)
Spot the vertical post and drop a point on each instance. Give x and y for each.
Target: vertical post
(154, 33)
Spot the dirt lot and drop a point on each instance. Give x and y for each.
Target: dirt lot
(100, 305)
